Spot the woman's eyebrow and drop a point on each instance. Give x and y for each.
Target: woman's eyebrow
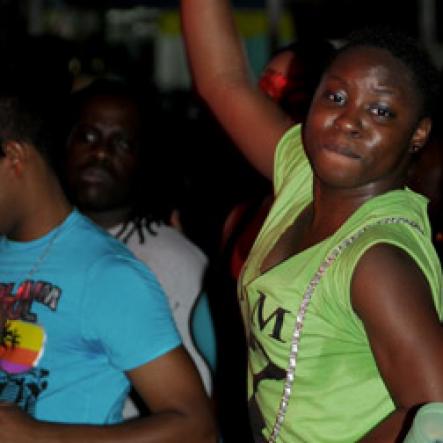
(385, 89)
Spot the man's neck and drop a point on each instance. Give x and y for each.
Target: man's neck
(38, 203)
(108, 219)
(42, 215)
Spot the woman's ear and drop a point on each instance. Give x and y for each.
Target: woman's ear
(421, 135)
(15, 154)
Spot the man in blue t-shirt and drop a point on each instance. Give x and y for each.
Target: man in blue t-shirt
(85, 318)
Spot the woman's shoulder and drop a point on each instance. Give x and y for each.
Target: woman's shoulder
(290, 161)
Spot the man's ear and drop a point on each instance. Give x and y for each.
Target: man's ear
(15, 153)
(421, 135)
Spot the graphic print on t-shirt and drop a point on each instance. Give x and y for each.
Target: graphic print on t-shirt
(23, 342)
(22, 346)
(265, 368)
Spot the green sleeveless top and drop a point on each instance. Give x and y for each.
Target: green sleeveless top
(338, 394)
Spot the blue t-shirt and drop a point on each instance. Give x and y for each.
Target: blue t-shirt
(82, 310)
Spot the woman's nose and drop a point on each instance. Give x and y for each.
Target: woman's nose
(349, 120)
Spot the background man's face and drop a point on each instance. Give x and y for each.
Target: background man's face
(102, 153)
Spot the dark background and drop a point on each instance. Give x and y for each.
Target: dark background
(85, 38)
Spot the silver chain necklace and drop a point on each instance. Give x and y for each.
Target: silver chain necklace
(44, 254)
(295, 340)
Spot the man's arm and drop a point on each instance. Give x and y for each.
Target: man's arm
(170, 387)
(221, 75)
(392, 297)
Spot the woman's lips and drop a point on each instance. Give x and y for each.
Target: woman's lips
(341, 150)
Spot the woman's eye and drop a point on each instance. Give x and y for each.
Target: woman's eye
(380, 111)
(336, 97)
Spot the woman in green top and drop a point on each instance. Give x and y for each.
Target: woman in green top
(341, 295)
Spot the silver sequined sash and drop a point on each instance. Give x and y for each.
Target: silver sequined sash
(295, 340)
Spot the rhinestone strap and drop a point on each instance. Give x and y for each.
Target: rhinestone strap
(295, 340)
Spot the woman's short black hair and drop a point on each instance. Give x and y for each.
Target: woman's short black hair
(409, 51)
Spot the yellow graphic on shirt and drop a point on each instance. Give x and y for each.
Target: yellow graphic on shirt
(22, 346)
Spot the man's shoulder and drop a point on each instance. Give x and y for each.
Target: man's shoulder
(89, 242)
(167, 244)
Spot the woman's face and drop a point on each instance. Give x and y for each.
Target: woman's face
(363, 121)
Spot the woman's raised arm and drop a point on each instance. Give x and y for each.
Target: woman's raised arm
(222, 78)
